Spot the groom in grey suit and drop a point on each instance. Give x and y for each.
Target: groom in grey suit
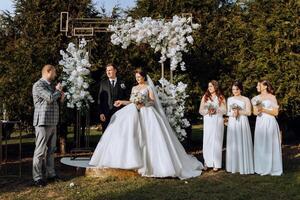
(46, 115)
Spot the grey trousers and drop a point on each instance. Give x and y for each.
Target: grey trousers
(45, 146)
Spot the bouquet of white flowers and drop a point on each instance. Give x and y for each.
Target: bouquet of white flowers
(211, 107)
(235, 106)
(256, 101)
(138, 98)
(76, 75)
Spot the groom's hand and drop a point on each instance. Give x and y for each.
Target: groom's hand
(102, 118)
(118, 103)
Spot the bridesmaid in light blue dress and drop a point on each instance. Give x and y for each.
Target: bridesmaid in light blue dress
(267, 140)
(239, 146)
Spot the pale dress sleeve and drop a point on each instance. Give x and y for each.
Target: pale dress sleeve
(247, 110)
(202, 110)
(229, 110)
(131, 94)
(274, 103)
(151, 97)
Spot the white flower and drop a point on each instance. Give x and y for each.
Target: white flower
(195, 26)
(83, 43)
(170, 38)
(123, 86)
(190, 39)
(71, 185)
(172, 98)
(76, 75)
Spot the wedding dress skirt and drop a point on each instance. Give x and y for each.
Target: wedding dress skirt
(143, 141)
(239, 146)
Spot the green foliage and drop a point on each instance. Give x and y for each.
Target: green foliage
(250, 41)
(29, 40)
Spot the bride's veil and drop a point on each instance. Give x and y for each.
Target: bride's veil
(157, 103)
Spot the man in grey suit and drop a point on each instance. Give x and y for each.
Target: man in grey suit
(46, 115)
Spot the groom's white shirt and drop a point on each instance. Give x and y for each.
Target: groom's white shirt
(115, 81)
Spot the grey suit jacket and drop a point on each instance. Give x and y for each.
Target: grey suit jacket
(46, 111)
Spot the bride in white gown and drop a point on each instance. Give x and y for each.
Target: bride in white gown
(139, 137)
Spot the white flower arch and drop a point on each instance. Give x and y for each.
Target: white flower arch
(171, 39)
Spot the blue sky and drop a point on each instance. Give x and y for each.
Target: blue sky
(109, 4)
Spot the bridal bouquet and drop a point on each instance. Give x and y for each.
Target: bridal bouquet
(235, 106)
(76, 75)
(138, 98)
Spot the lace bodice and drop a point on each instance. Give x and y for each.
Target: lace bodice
(243, 103)
(266, 103)
(221, 109)
(240, 103)
(141, 96)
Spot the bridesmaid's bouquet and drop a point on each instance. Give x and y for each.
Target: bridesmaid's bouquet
(235, 106)
(256, 102)
(211, 107)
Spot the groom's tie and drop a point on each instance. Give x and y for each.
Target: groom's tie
(113, 83)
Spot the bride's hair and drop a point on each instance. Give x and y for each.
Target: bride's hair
(270, 88)
(219, 94)
(141, 72)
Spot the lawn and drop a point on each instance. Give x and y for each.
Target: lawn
(210, 185)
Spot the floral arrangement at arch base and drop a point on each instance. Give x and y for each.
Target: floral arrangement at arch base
(76, 75)
(173, 98)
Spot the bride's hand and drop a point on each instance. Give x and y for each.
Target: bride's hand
(139, 106)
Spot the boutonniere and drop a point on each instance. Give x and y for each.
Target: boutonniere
(123, 86)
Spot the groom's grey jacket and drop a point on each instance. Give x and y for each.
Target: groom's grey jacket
(46, 111)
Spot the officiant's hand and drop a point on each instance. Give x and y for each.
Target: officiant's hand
(58, 87)
(102, 118)
(62, 98)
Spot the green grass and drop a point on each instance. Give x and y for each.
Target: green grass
(209, 185)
